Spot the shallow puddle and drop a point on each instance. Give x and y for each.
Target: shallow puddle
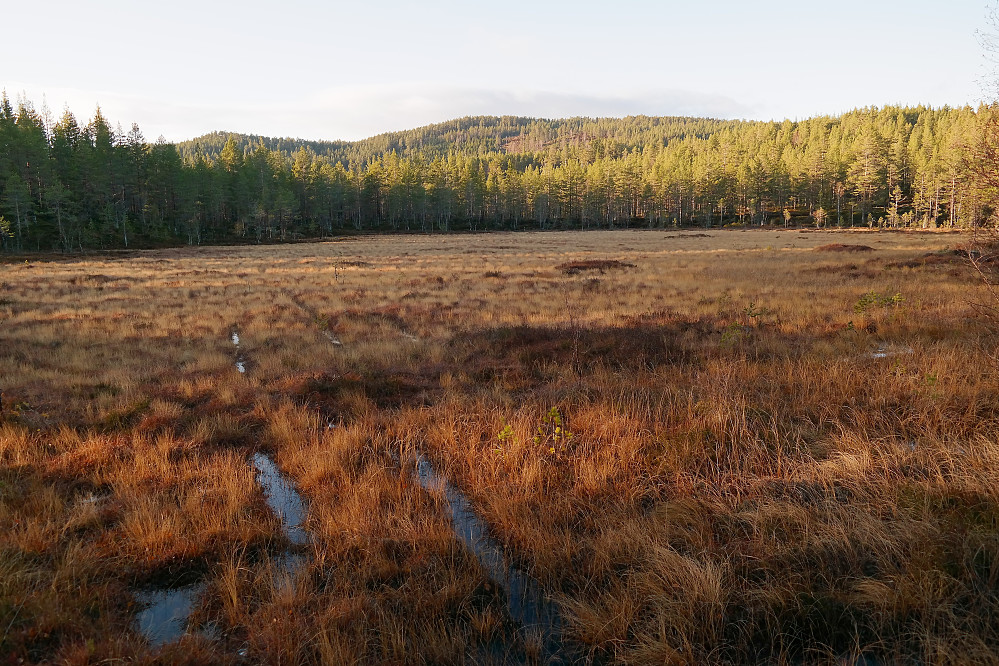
(165, 617)
(240, 361)
(526, 602)
(282, 498)
(889, 351)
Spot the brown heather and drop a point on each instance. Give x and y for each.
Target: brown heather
(780, 452)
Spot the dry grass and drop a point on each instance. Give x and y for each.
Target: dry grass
(776, 455)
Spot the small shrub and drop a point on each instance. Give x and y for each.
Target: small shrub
(874, 299)
(733, 335)
(553, 433)
(505, 437)
(754, 312)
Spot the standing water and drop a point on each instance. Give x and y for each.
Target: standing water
(165, 617)
(240, 361)
(282, 498)
(526, 602)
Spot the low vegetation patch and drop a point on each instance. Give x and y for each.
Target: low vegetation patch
(949, 258)
(601, 265)
(844, 247)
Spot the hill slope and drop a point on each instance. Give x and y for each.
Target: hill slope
(480, 136)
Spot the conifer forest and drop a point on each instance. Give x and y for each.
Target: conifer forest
(68, 186)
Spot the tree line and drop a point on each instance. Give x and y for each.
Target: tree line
(66, 186)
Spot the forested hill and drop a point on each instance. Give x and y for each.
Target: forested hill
(479, 136)
(67, 186)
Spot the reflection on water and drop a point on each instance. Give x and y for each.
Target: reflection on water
(240, 361)
(526, 602)
(888, 351)
(165, 617)
(282, 498)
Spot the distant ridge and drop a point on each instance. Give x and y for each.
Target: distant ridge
(478, 136)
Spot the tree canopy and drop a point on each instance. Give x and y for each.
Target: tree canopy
(66, 186)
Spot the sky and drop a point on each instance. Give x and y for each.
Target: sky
(348, 70)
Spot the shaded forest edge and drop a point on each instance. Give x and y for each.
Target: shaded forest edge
(69, 188)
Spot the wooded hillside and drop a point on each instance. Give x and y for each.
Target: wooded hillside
(66, 186)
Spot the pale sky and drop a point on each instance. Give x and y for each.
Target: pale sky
(347, 70)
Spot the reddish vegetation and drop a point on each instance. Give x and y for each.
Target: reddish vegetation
(946, 258)
(574, 267)
(843, 247)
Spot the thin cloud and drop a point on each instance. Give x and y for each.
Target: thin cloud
(357, 112)
(362, 111)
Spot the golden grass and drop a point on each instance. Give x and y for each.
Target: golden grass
(772, 457)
